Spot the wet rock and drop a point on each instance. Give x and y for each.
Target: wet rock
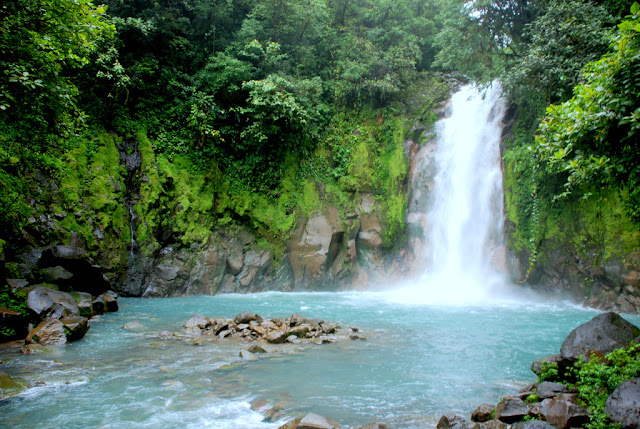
(451, 421)
(491, 424)
(482, 413)
(134, 325)
(76, 327)
(562, 411)
(603, 334)
(49, 332)
(197, 321)
(43, 301)
(97, 306)
(537, 364)
(11, 386)
(374, 425)
(245, 317)
(17, 284)
(298, 331)
(110, 301)
(87, 276)
(277, 337)
(314, 421)
(547, 389)
(624, 404)
(56, 275)
(84, 302)
(511, 410)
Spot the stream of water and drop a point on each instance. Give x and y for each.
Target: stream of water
(418, 362)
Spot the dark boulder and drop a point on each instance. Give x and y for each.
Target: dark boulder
(624, 404)
(563, 411)
(547, 389)
(603, 334)
(87, 276)
(482, 413)
(451, 421)
(511, 410)
(84, 301)
(76, 327)
(245, 317)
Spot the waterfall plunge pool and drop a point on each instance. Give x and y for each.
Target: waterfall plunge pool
(418, 362)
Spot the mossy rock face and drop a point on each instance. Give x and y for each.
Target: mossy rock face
(11, 386)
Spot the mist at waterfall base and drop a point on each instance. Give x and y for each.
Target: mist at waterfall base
(465, 253)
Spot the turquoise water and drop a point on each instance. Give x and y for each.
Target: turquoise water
(417, 362)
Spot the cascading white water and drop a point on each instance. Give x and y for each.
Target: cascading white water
(464, 221)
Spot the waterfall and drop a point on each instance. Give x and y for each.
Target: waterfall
(464, 255)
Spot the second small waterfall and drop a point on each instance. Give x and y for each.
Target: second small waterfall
(464, 255)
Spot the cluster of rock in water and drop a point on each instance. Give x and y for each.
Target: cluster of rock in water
(55, 317)
(250, 327)
(556, 405)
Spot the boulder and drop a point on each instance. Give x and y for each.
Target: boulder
(562, 411)
(84, 301)
(299, 331)
(97, 306)
(49, 332)
(110, 301)
(314, 421)
(624, 404)
(43, 301)
(56, 275)
(87, 276)
(11, 386)
(76, 327)
(451, 421)
(134, 325)
(547, 389)
(245, 317)
(603, 334)
(482, 413)
(511, 410)
(17, 284)
(197, 321)
(374, 425)
(277, 337)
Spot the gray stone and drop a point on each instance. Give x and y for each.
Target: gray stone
(49, 332)
(547, 389)
(256, 349)
(198, 321)
(246, 355)
(603, 334)
(451, 421)
(41, 301)
(57, 275)
(299, 331)
(374, 425)
(15, 284)
(563, 412)
(536, 366)
(511, 410)
(244, 317)
(482, 413)
(314, 421)
(624, 404)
